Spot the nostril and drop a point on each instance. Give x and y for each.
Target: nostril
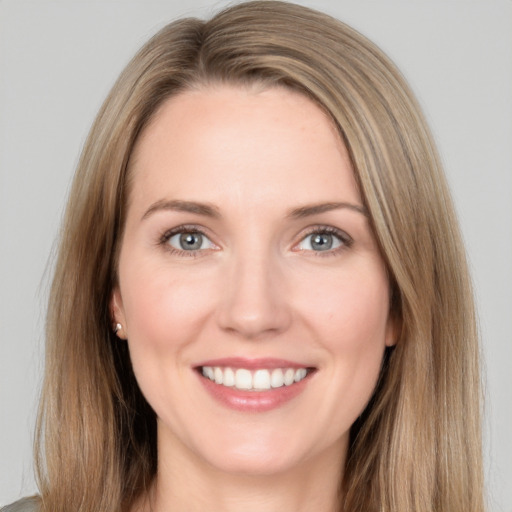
(252, 320)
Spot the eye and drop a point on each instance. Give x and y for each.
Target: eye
(323, 240)
(189, 241)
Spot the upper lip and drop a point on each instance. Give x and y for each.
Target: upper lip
(250, 364)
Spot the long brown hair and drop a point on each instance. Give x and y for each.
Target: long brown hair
(417, 445)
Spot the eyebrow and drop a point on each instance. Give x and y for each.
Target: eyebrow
(206, 209)
(315, 209)
(210, 210)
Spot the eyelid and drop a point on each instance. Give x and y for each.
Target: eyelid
(186, 228)
(343, 236)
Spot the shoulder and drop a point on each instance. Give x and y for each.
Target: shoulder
(25, 505)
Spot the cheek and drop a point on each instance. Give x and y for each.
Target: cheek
(164, 307)
(165, 312)
(350, 321)
(350, 308)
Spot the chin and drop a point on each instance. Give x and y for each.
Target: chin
(252, 464)
(261, 454)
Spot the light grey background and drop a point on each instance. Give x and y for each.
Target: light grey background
(58, 59)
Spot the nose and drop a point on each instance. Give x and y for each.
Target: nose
(254, 300)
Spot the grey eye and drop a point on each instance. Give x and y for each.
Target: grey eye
(190, 241)
(320, 242)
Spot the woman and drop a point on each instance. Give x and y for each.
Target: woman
(269, 303)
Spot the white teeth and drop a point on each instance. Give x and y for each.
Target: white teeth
(261, 379)
(289, 377)
(257, 380)
(243, 379)
(218, 374)
(300, 374)
(277, 378)
(229, 377)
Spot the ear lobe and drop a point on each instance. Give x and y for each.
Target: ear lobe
(393, 329)
(117, 313)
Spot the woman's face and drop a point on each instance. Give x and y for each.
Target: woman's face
(251, 290)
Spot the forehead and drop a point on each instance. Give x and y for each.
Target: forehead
(222, 143)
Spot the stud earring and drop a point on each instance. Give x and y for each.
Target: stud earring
(117, 328)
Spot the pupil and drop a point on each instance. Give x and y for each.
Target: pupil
(322, 242)
(191, 241)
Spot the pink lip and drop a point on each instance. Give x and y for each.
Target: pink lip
(252, 401)
(267, 363)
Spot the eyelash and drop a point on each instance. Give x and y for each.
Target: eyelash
(345, 239)
(164, 239)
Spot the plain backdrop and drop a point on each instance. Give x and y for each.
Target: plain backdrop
(58, 60)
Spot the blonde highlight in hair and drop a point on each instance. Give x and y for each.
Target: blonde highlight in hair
(417, 445)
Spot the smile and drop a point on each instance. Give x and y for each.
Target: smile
(260, 379)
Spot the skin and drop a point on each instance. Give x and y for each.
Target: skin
(256, 288)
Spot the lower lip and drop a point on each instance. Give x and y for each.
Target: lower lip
(253, 401)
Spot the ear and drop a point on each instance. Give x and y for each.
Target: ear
(393, 329)
(117, 313)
